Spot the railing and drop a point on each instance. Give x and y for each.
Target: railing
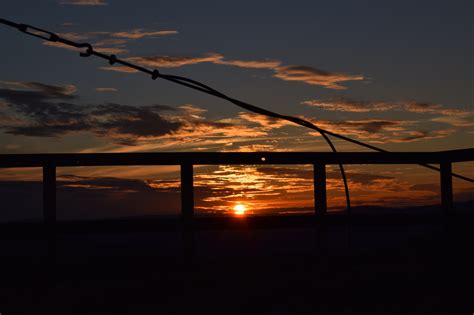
(49, 163)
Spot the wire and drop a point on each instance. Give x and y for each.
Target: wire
(49, 36)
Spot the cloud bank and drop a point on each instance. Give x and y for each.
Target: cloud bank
(305, 74)
(40, 110)
(435, 112)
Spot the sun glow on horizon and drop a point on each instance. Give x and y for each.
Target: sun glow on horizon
(240, 209)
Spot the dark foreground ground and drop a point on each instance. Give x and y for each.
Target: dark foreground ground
(389, 264)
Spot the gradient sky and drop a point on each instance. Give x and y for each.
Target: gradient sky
(398, 74)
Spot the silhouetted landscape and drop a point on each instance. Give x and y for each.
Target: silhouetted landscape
(382, 261)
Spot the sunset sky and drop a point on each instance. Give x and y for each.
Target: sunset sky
(396, 74)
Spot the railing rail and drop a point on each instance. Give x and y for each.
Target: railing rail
(186, 160)
(215, 158)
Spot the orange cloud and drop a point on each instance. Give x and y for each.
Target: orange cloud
(140, 33)
(106, 89)
(255, 64)
(173, 61)
(314, 76)
(454, 117)
(104, 50)
(180, 61)
(350, 105)
(264, 121)
(108, 42)
(119, 69)
(288, 73)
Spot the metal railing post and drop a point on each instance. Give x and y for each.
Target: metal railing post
(446, 187)
(49, 195)
(320, 204)
(187, 191)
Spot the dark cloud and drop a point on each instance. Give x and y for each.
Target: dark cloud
(410, 136)
(85, 198)
(426, 187)
(415, 135)
(35, 99)
(369, 126)
(41, 111)
(47, 129)
(109, 184)
(46, 111)
(128, 122)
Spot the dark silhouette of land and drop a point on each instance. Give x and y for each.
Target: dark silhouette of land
(373, 261)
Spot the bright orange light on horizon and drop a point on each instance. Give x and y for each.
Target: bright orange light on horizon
(240, 209)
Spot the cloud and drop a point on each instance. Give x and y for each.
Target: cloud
(264, 121)
(84, 2)
(116, 38)
(179, 61)
(108, 42)
(382, 130)
(129, 124)
(111, 50)
(304, 74)
(104, 50)
(375, 130)
(50, 91)
(38, 102)
(164, 62)
(453, 117)
(362, 106)
(350, 105)
(140, 33)
(415, 135)
(174, 61)
(119, 69)
(48, 111)
(257, 148)
(255, 64)
(305, 174)
(314, 76)
(106, 89)
(426, 187)
(93, 198)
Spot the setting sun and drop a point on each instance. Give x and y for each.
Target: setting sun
(239, 209)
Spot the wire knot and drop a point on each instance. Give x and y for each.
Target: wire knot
(22, 27)
(88, 52)
(112, 59)
(155, 74)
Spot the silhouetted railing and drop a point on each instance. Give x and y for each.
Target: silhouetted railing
(49, 163)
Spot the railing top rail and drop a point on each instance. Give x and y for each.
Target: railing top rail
(216, 158)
